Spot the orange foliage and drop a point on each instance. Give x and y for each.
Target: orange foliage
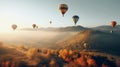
(63, 53)
(53, 58)
(103, 65)
(71, 64)
(7, 64)
(53, 63)
(81, 61)
(91, 62)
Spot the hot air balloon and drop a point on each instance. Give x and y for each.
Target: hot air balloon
(113, 23)
(75, 19)
(14, 26)
(34, 25)
(50, 22)
(63, 8)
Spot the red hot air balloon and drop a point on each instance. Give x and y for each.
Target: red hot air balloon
(113, 23)
(63, 8)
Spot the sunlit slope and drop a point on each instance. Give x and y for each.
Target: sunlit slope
(10, 52)
(96, 40)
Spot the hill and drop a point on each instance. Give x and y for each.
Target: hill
(96, 40)
(62, 29)
(13, 56)
(107, 28)
(104, 28)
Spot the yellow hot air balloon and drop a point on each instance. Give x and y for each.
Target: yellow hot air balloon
(14, 26)
(63, 8)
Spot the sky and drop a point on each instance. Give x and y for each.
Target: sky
(24, 13)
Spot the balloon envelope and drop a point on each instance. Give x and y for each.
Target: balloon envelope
(50, 22)
(113, 23)
(63, 8)
(14, 26)
(34, 25)
(75, 19)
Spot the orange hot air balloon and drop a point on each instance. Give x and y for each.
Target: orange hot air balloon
(34, 25)
(14, 26)
(113, 23)
(63, 8)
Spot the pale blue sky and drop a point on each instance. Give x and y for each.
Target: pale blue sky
(26, 12)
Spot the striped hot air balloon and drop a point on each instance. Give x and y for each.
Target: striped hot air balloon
(63, 8)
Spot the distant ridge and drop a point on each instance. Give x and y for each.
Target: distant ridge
(69, 28)
(105, 28)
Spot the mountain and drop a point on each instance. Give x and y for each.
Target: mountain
(69, 28)
(96, 40)
(104, 28)
(107, 28)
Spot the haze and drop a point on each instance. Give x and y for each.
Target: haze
(34, 38)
